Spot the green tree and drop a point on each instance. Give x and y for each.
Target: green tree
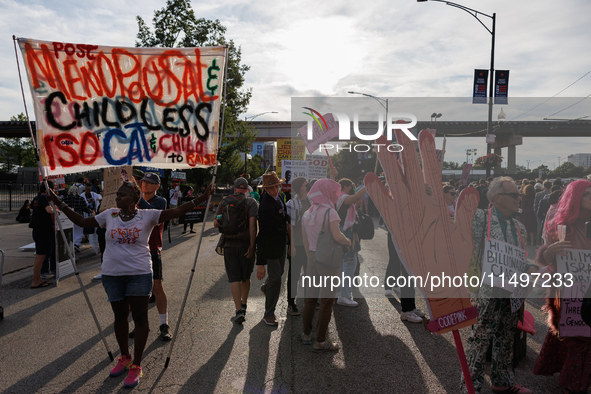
(176, 25)
(451, 165)
(17, 152)
(353, 165)
(568, 169)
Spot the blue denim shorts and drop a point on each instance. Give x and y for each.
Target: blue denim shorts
(119, 287)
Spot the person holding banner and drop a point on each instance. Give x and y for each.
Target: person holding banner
(43, 233)
(127, 266)
(569, 356)
(496, 321)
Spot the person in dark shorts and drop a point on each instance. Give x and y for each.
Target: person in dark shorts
(43, 233)
(239, 248)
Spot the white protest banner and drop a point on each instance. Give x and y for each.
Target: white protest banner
(318, 132)
(502, 264)
(574, 269)
(317, 166)
(99, 106)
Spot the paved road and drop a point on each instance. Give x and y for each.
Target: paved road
(49, 343)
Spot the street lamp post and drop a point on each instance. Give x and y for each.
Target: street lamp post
(530, 161)
(471, 152)
(493, 17)
(384, 103)
(249, 119)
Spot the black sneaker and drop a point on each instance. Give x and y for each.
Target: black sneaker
(293, 310)
(240, 317)
(164, 334)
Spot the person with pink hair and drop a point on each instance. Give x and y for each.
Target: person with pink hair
(570, 356)
(323, 196)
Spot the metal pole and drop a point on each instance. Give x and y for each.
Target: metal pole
(178, 322)
(490, 89)
(66, 243)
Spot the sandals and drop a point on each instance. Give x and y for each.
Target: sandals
(40, 285)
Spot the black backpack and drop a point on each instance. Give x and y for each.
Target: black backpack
(234, 217)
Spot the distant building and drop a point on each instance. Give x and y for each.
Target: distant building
(580, 159)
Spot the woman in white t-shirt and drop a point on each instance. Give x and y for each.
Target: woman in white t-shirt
(127, 266)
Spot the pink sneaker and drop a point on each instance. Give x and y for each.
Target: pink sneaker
(515, 389)
(123, 363)
(133, 377)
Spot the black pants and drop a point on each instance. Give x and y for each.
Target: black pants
(396, 269)
(295, 268)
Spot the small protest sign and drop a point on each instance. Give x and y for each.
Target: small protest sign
(59, 182)
(502, 262)
(316, 133)
(195, 215)
(576, 262)
(317, 166)
(112, 182)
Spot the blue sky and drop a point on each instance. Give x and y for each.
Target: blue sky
(390, 48)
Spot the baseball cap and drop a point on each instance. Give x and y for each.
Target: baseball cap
(152, 178)
(139, 174)
(241, 183)
(538, 186)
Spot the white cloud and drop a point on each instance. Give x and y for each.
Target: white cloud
(388, 48)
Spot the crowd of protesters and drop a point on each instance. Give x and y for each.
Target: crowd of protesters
(263, 227)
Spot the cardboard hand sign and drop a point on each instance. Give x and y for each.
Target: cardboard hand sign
(431, 244)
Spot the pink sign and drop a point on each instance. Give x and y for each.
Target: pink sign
(571, 323)
(316, 133)
(465, 173)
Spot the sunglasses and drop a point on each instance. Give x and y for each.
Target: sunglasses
(514, 195)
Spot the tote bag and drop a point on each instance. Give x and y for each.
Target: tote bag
(328, 251)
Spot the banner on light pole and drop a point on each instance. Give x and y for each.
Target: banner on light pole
(501, 86)
(480, 83)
